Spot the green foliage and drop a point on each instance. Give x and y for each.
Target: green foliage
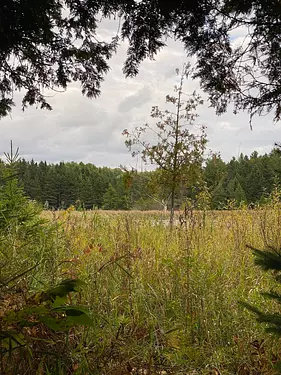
(28, 247)
(166, 299)
(38, 328)
(206, 32)
(50, 308)
(219, 196)
(42, 44)
(269, 260)
(235, 191)
(21, 228)
(251, 180)
(117, 198)
(65, 184)
(153, 297)
(39, 49)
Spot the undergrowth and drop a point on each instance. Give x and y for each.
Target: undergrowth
(39, 312)
(103, 293)
(167, 299)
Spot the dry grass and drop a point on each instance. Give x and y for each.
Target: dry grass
(168, 299)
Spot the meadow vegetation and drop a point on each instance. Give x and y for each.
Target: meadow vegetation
(120, 293)
(145, 297)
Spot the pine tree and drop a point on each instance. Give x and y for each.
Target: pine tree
(269, 259)
(51, 191)
(110, 199)
(235, 191)
(29, 260)
(215, 169)
(219, 196)
(256, 183)
(32, 185)
(23, 238)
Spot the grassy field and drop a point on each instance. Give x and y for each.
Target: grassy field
(164, 300)
(168, 299)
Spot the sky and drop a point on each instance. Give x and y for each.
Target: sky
(90, 130)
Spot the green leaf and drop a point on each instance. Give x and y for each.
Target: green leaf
(81, 319)
(54, 324)
(78, 315)
(17, 338)
(59, 301)
(70, 308)
(64, 288)
(74, 312)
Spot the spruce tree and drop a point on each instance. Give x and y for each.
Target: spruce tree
(235, 190)
(269, 259)
(219, 196)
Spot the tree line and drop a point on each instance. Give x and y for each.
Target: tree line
(250, 179)
(246, 179)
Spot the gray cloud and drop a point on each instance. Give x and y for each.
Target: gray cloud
(136, 100)
(79, 129)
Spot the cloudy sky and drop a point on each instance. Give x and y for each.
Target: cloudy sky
(79, 129)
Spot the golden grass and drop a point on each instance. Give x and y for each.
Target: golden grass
(168, 298)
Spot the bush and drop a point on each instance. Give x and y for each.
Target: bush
(36, 313)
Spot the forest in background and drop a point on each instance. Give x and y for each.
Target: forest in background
(247, 179)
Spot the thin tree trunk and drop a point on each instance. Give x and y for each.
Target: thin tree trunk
(175, 156)
(172, 210)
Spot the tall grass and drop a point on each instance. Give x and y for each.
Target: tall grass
(167, 299)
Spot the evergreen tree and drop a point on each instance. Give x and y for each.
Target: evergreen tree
(71, 187)
(51, 190)
(235, 191)
(116, 196)
(87, 193)
(275, 162)
(110, 199)
(250, 179)
(32, 184)
(239, 195)
(56, 43)
(269, 260)
(255, 183)
(243, 170)
(29, 261)
(219, 196)
(214, 171)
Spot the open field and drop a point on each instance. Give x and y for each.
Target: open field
(168, 299)
(162, 300)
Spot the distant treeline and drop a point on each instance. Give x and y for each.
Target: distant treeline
(85, 186)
